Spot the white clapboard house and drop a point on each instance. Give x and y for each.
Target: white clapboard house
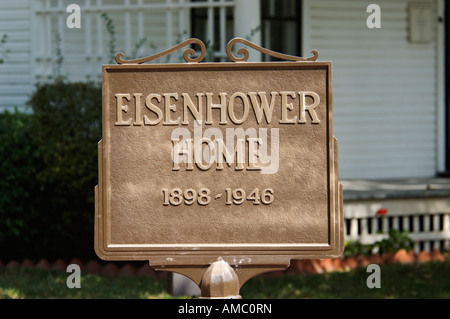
(391, 81)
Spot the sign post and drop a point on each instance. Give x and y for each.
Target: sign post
(218, 171)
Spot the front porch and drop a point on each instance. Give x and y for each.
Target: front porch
(419, 206)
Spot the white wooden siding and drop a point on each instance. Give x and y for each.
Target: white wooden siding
(15, 84)
(32, 27)
(160, 23)
(384, 88)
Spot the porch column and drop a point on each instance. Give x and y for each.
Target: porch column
(247, 18)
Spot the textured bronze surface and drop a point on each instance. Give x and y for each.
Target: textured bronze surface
(254, 211)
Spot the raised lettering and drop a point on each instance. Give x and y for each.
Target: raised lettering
(169, 108)
(309, 108)
(222, 106)
(285, 106)
(122, 108)
(181, 108)
(137, 109)
(245, 107)
(197, 113)
(152, 107)
(264, 109)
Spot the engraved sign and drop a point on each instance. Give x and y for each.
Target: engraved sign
(205, 160)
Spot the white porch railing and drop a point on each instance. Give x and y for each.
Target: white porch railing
(427, 221)
(161, 22)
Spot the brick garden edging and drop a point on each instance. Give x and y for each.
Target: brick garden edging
(317, 266)
(307, 266)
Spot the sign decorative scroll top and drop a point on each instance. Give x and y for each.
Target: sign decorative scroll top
(232, 160)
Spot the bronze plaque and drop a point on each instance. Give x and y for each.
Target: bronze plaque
(206, 160)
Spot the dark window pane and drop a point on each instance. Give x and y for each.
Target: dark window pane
(281, 26)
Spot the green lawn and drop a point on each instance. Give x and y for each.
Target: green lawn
(424, 280)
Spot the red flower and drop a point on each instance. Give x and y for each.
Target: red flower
(381, 212)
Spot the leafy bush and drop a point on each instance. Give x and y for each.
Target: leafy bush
(16, 169)
(66, 126)
(356, 248)
(56, 173)
(397, 240)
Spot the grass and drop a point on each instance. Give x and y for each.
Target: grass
(29, 283)
(429, 280)
(398, 281)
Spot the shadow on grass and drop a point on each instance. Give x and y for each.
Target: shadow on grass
(30, 283)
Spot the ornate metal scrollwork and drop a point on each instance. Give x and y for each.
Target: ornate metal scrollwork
(246, 54)
(189, 52)
(186, 55)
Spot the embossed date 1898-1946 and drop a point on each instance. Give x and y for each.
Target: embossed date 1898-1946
(176, 196)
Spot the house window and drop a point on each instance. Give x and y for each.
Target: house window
(213, 24)
(280, 26)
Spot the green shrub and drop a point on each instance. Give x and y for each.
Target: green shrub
(66, 126)
(397, 240)
(53, 163)
(16, 184)
(356, 248)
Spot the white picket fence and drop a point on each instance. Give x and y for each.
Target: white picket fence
(427, 221)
